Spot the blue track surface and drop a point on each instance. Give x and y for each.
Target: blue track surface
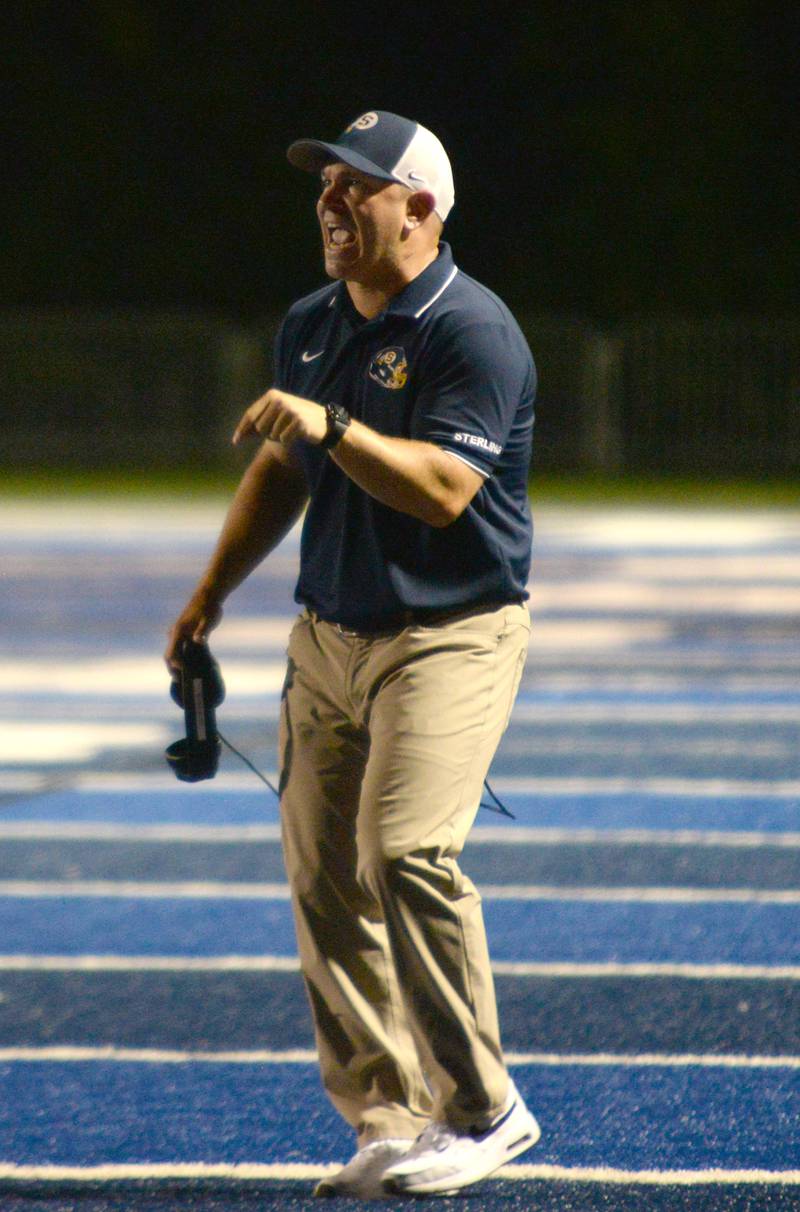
(654, 747)
(530, 931)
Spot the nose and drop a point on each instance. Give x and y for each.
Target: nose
(331, 194)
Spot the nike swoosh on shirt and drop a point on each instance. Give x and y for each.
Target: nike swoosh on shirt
(307, 357)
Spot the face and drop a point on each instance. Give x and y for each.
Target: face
(363, 220)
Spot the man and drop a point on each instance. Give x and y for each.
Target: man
(402, 413)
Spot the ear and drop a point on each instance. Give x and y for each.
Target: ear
(419, 205)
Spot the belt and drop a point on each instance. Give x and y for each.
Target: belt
(408, 618)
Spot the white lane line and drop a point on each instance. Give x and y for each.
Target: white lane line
(143, 890)
(307, 1056)
(306, 1172)
(246, 783)
(243, 891)
(510, 835)
(521, 834)
(659, 1178)
(639, 895)
(290, 963)
(149, 963)
(694, 788)
(704, 972)
(160, 1056)
(603, 711)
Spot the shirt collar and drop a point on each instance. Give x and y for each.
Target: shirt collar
(421, 292)
(426, 288)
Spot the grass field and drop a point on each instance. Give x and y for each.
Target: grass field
(564, 489)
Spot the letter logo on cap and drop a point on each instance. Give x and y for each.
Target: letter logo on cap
(363, 123)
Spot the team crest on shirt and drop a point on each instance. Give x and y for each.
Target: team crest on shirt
(390, 368)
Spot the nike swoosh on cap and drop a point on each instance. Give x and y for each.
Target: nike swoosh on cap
(307, 357)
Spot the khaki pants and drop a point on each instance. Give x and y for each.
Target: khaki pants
(385, 742)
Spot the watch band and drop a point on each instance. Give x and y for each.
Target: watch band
(337, 418)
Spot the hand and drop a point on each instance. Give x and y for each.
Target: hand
(199, 616)
(283, 418)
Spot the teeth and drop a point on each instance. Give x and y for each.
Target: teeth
(340, 235)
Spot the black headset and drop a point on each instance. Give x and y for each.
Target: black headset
(199, 689)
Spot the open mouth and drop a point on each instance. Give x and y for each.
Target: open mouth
(338, 237)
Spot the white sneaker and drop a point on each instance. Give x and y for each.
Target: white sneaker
(442, 1159)
(362, 1175)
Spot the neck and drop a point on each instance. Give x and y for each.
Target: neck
(371, 299)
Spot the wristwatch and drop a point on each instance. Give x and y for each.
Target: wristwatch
(338, 418)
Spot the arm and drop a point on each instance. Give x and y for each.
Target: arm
(268, 501)
(417, 478)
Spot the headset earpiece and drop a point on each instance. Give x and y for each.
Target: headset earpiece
(199, 690)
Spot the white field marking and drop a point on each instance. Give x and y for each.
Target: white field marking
(146, 890)
(254, 891)
(481, 835)
(308, 1056)
(110, 831)
(677, 787)
(723, 566)
(667, 598)
(160, 1056)
(149, 963)
(119, 782)
(27, 742)
(663, 714)
(625, 527)
(639, 895)
(703, 972)
(634, 683)
(659, 1178)
(649, 745)
(96, 520)
(290, 963)
(308, 1172)
(246, 781)
(591, 635)
(253, 634)
(622, 526)
(126, 676)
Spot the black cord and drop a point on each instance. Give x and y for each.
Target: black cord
(247, 762)
(498, 806)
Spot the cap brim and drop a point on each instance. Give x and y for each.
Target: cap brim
(311, 155)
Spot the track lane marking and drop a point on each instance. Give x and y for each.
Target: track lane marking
(248, 1171)
(289, 963)
(61, 1054)
(513, 835)
(513, 785)
(241, 891)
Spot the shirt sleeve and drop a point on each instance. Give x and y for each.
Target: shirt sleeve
(470, 394)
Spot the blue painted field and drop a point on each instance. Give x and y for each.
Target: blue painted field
(648, 953)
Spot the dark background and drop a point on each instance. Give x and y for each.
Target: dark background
(610, 158)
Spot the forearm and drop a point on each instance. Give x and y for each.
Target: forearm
(411, 476)
(267, 502)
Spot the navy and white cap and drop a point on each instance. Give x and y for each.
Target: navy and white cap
(387, 146)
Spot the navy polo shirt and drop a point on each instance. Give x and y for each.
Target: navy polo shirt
(444, 363)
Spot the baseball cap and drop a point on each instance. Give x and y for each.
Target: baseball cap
(387, 146)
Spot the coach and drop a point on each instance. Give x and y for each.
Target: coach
(401, 415)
